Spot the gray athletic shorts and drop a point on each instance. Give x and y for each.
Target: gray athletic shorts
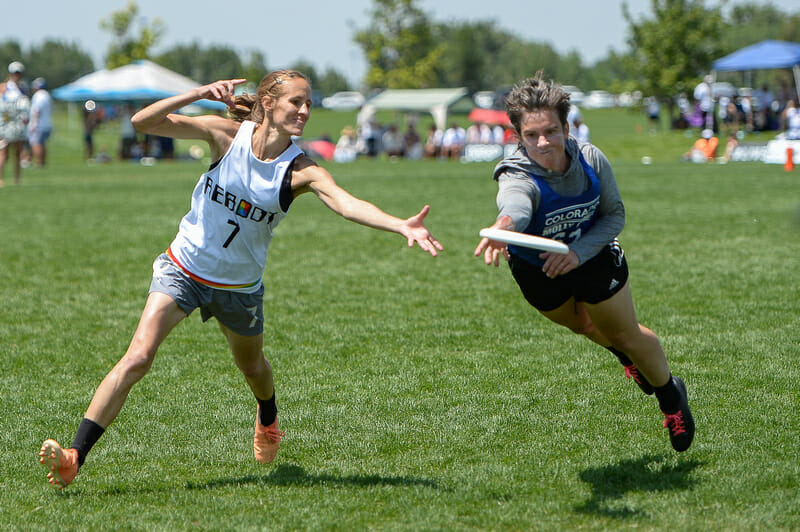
(241, 313)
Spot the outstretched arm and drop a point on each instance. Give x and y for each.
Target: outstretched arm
(160, 119)
(314, 179)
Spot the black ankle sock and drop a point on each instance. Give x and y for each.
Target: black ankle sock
(268, 410)
(669, 397)
(88, 434)
(623, 358)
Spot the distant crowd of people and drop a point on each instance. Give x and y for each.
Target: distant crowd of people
(25, 121)
(725, 119)
(370, 138)
(751, 111)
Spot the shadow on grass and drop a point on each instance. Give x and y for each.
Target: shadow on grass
(294, 475)
(650, 473)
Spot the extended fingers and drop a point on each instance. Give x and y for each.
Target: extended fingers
(429, 244)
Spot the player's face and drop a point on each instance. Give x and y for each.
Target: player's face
(543, 136)
(293, 108)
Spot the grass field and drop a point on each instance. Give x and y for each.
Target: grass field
(416, 393)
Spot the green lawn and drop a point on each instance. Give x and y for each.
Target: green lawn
(415, 393)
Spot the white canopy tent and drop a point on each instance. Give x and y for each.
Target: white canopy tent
(437, 102)
(140, 81)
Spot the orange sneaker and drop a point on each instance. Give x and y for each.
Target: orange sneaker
(266, 440)
(62, 463)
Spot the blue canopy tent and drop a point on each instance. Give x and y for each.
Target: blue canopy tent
(140, 81)
(765, 55)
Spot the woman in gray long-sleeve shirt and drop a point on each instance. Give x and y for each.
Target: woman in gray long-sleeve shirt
(553, 187)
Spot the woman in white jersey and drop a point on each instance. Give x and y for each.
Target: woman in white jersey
(556, 187)
(216, 261)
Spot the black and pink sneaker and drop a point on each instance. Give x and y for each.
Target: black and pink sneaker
(680, 423)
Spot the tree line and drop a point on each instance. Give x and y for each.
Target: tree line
(668, 51)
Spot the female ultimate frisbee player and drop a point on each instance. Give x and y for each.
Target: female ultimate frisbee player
(216, 261)
(553, 187)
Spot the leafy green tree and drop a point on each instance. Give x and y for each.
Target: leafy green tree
(332, 81)
(482, 56)
(255, 66)
(203, 65)
(750, 23)
(127, 47)
(472, 51)
(206, 65)
(329, 82)
(672, 50)
(524, 59)
(570, 68)
(58, 62)
(608, 73)
(400, 47)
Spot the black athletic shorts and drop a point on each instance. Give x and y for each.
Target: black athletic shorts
(596, 280)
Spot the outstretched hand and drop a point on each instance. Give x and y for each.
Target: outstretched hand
(491, 249)
(415, 231)
(221, 91)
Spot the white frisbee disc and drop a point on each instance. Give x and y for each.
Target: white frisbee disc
(525, 240)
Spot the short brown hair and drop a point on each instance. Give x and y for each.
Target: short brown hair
(248, 106)
(536, 94)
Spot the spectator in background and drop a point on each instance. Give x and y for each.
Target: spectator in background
(433, 142)
(166, 147)
(573, 114)
(763, 116)
(704, 149)
(412, 143)
(705, 101)
(128, 137)
(40, 125)
(453, 141)
(368, 129)
(347, 147)
(392, 142)
(581, 131)
(474, 133)
(653, 112)
(498, 135)
(791, 120)
(731, 116)
(91, 119)
(684, 106)
(746, 104)
(14, 115)
(479, 133)
(485, 134)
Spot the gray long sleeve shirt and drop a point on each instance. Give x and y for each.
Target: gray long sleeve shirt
(518, 195)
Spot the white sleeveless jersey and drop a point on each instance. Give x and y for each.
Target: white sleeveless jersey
(223, 240)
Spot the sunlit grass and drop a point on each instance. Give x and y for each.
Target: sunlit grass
(416, 393)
